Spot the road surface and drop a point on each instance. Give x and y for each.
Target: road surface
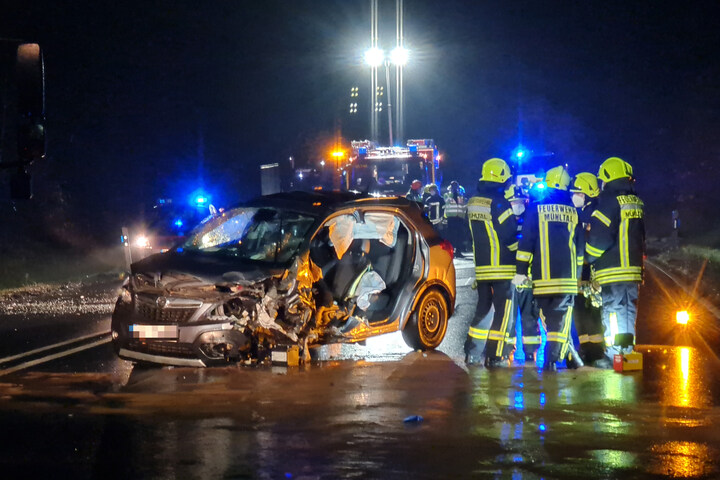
(91, 415)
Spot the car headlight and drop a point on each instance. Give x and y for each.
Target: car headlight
(125, 295)
(142, 241)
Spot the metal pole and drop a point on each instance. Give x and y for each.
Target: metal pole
(389, 105)
(373, 71)
(399, 97)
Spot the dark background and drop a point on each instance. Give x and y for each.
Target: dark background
(155, 99)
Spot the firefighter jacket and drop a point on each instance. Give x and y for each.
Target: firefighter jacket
(493, 229)
(552, 242)
(455, 204)
(434, 206)
(520, 219)
(584, 217)
(616, 244)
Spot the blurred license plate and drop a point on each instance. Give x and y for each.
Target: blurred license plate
(154, 331)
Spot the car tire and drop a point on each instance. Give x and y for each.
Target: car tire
(428, 323)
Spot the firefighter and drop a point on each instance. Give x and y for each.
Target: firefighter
(416, 191)
(587, 316)
(456, 214)
(493, 229)
(553, 242)
(434, 206)
(616, 248)
(529, 314)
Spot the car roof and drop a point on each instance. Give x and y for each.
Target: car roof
(326, 202)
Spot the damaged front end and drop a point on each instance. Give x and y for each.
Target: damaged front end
(186, 320)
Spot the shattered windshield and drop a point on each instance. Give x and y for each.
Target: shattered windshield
(267, 235)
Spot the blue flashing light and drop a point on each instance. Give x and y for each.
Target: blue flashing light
(542, 398)
(362, 151)
(413, 149)
(178, 222)
(540, 185)
(543, 427)
(201, 200)
(180, 250)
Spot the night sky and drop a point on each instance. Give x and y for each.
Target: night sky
(153, 99)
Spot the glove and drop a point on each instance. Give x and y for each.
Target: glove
(519, 280)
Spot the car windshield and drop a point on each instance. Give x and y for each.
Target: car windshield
(268, 235)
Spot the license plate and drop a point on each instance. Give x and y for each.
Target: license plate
(154, 331)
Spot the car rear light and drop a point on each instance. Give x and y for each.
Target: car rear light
(447, 246)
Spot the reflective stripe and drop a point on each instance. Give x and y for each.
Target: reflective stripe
(503, 328)
(557, 286)
(596, 338)
(544, 251)
(513, 246)
(623, 242)
(494, 244)
(523, 256)
(600, 216)
(497, 272)
(613, 329)
(477, 333)
(534, 340)
(504, 216)
(618, 274)
(580, 261)
(566, 332)
(595, 252)
(573, 249)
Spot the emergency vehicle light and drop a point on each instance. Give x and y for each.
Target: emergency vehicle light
(682, 317)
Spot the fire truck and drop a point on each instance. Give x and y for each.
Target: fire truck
(389, 171)
(367, 168)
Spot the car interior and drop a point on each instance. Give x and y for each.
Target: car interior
(341, 274)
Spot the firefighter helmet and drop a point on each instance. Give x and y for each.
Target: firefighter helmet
(416, 185)
(586, 183)
(558, 178)
(614, 168)
(495, 170)
(430, 187)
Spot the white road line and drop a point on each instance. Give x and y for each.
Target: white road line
(50, 347)
(54, 356)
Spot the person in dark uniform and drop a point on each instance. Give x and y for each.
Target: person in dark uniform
(493, 229)
(587, 312)
(616, 249)
(552, 243)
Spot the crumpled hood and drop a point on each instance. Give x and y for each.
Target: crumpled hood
(209, 268)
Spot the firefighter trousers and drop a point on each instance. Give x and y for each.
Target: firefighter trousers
(619, 311)
(494, 317)
(589, 325)
(529, 315)
(556, 311)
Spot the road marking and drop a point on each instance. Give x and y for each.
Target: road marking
(62, 354)
(50, 347)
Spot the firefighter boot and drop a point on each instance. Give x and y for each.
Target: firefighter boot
(572, 359)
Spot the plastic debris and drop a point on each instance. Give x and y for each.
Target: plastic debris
(413, 419)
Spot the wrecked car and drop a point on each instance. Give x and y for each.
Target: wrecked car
(288, 269)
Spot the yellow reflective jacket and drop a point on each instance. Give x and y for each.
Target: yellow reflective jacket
(493, 228)
(616, 242)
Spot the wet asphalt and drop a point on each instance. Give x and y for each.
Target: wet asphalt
(344, 415)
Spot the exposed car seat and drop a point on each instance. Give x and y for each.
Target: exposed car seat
(388, 262)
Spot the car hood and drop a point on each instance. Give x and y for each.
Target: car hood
(206, 267)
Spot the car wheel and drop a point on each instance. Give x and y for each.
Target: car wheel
(428, 323)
